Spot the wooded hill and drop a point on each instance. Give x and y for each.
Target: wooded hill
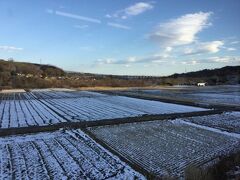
(224, 75)
(29, 75)
(19, 74)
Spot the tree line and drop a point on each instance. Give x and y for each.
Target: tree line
(28, 75)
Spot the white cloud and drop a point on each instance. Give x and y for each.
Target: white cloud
(158, 59)
(106, 61)
(108, 16)
(116, 25)
(10, 48)
(81, 26)
(192, 62)
(134, 60)
(235, 42)
(182, 30)
(168, 49)
(223, 59)
(138, 8)
(133, 10)
(204, 47)
(74, 16)
(231, 49)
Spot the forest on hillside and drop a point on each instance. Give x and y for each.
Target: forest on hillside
(28, 75)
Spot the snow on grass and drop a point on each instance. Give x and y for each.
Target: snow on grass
(166, 148)
(229, 121)
(43, 108)
(62, 89)
(41, 90)
(226, 95)
(23, 113)
(111, 107)
(215, 98)
(59, 155)
(180, 121)
(51, 89)
(65, 94)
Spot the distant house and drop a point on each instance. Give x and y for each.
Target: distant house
(201, 84)
(29, 75)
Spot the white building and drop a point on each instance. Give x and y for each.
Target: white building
(201, 84)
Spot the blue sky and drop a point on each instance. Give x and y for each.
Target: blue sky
(120, 36)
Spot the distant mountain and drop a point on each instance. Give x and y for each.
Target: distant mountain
(21, 74)
(13, 67)
(224, 75)
(225, 71)
(29, 75)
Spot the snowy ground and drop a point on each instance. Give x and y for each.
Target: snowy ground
(59, 155)
(166, 148)
(228, 121)
(111, 107)
(212, 98)
(65, 94)
(225, 95)
(24, 113)
(51, 89)
(161, 147)
(46, 108)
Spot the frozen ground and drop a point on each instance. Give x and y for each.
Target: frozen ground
(225, 95)
(46, 108)
(24, 113)
(59, 155)
(161, 147)
(48, 95)
(228, 121)
(65, 94)
(212, 98)
(166, 148)
(51, 89)
(111, 107)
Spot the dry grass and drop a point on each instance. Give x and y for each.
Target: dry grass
(195, 173)
(12, 90)
(215, 172)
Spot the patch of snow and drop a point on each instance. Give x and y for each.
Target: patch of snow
(166, 147)
(180, 121)
(58, 155)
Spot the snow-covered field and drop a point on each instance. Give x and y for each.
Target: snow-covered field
(110, 107)
(13, 96)
(23, 113)
(59, 155)
(65, 94)
(213, 98)
(228, 121)
(166, 148)
(51, 89)
(225, 95)
(43, 108)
